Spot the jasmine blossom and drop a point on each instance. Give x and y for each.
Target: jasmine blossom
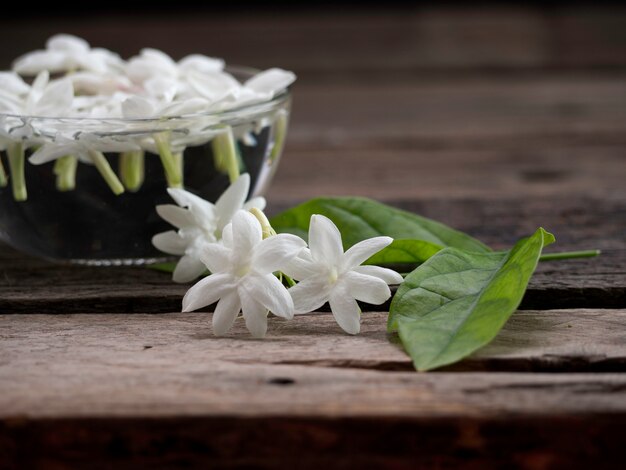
(242, 276)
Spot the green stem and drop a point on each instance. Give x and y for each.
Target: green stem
(132, 169)
(15, 152)
(289, 281)
(102, 165)
(3, 176)
(280, 132)
(170, 167)
(225, 154)
(570, 255)
(65, 169)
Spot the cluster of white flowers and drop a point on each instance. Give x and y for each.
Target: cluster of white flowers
(246, 260)
(74, 80)
(96, 82)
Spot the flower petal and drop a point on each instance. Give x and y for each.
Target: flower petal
(258, 202)
(208, 290)
(67, 43)
(216, 257)
(387, 275)
(188, 269)
(255, 315)
(269, 292)
(226, 313)
(325, 240)
(302, 266)
(227, 236)
(36, 61)
(361, 251)
(203, 211)
(56, 99)
(365, 288)
(177, 216)
(310, 294)
(273, 253)
(271, 81)
(137, 107)
(246, 233)
(201, 63)
(232, 200)
(345, 310)
(49, 152)
(169, 242)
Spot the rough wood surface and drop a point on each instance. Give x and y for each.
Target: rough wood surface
(170, 364)
(161, 391)
(356, 41)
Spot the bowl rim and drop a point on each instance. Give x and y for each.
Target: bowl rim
(223, 115)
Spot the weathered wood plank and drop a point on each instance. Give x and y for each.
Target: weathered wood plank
(119, 365)
(354, 42)
(28, 285)
(461, 112)
(476, 442)
(161, 391)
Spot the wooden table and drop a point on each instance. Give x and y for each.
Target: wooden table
(495, 122)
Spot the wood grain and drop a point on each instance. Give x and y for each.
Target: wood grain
(119, 365)
(160, 391)
(355, 42)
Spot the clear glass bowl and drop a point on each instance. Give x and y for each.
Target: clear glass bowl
(89, 224)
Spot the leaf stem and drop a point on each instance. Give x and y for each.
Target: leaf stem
(570, 255)
(172, 171)
(15, 151)
(102, 165)
(65, 169)
(132, 169)
(225, 153)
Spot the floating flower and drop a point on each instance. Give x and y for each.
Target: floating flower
(65, 53)
(327, 274)
(242, 276)
(89, 149)
(199, 223)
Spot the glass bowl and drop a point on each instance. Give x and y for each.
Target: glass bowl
(71, 212)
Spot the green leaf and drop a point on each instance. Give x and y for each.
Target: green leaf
(457, 302)
(405, 251)
(360, 218)
(163, 267)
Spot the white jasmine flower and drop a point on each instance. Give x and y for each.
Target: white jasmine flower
(66, 53)
(327, 274)
(199, 223)
(82, 147)
(154, 63)
(44, 98)
(242, 276)
(87, 148)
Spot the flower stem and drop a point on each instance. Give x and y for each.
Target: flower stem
(173, 174)
(15, 151)
(225, 154)
(570, 255)
(102, 165)
(280, 132)
(132, 169)
(65, 169)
